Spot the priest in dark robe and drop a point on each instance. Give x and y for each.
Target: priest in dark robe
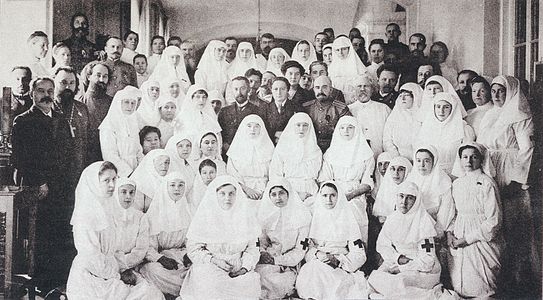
(20, 86)
(325, 111)
(82, 50)
(95, 77)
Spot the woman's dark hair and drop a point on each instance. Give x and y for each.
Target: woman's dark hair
(282, 79)
(129, 32)
(433, 82)
(157, 37)
(203, 136)
(107, 165)
(207, 163)
(281, 187)
(303, 42)
(330, 185)
(426, 151)
(462, 148)
(203, 92)
(486, 85)
(146, 130)
(223, 185)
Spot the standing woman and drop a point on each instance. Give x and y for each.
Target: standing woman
(445, 129)
(95, 270)
(336, 251)
(154, 166)
(119, 133)
(507, 130)
(212, 68)
(345, 64)
(402, 125)
(277, 57)
(148, 108)
(349, 162)
(285, 225)
(304, 53)
(222, 245)
(169, 220)
(475, 239)
(172, 64)
(249, 156)
(297, 156)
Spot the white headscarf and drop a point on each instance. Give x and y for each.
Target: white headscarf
(117, 121)
(298, 57)
(90, 206)
(386, 196)
(176, 162)
(348, 153)
(148, 109)
(294, 149)
(165, 214)
(273, 67)
(238, 67)
(215, 71)
(212, 224)
(486, 164)
(407, 115)
(426, 105)
(435, 132)
(120, 213)
(145, 175)
(413, 226)
(165, 84)
(216, 95)
(433, 185)
(337, 224)
(164, 67)
(193, 120)
(245, 149)
(515, 109)
(347, 67)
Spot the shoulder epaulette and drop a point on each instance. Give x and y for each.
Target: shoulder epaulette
(308, 103)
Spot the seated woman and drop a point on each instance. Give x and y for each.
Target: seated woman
(169, 219)
(285, 225)
(179, 148)
(167, 108)
(148, 110)
(249, 156)
(153, 167)
(383, 160)
(150, 138)
(349, 162)
(445, 129)
(336, 251)
(119, 133)
(209, 146)
(211, 73)
(475, 239)
(207, 172)
(95, 272)
(222, 245)
(297, 156)
(406, 244)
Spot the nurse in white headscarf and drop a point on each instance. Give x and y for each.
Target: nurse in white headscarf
(402, 125)
(445, 129)
(327, 54)
(167, 108)
(169, 220)
(154, 166)
(206, 173)
(208, 148)
(95, 271)
(119, 133)
(249, 156)
(211, 73)
(336, 251)
(245, 60)
(180, 148)
(277, 57)
(304, 53)
(196, 116)
(437, 84)
(285, 226)
(148, 109)
(297, 156)
(172, 64)
(172, 88)
(475, 237)
(222, 245)
(349, 162)
(406, 243)
(385, 202)
(345, 65)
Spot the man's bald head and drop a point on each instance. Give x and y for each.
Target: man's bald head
(322, 86)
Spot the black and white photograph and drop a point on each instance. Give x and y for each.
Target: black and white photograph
(271, 149)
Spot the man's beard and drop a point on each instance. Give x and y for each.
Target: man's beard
(80, 32)
(66, 96)
(98, 86)
(241, 99)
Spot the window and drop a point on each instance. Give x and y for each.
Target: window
(526, 47)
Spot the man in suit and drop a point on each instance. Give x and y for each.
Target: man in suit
(231, 116)
(387, 79)
(278, 112)
(39, 137)
(20, 86)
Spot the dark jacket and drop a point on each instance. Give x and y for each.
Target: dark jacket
(276, 121)
(231, 116)
(389, 100)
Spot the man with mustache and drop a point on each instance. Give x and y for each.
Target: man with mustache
(20, 86)
(387, 76)
(82, 50)
(96, 76)
(325, 111)
(122, 74)
(231, 48)
(39, 139)
(267, 42)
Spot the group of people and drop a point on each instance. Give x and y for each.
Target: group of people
(330, 173)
